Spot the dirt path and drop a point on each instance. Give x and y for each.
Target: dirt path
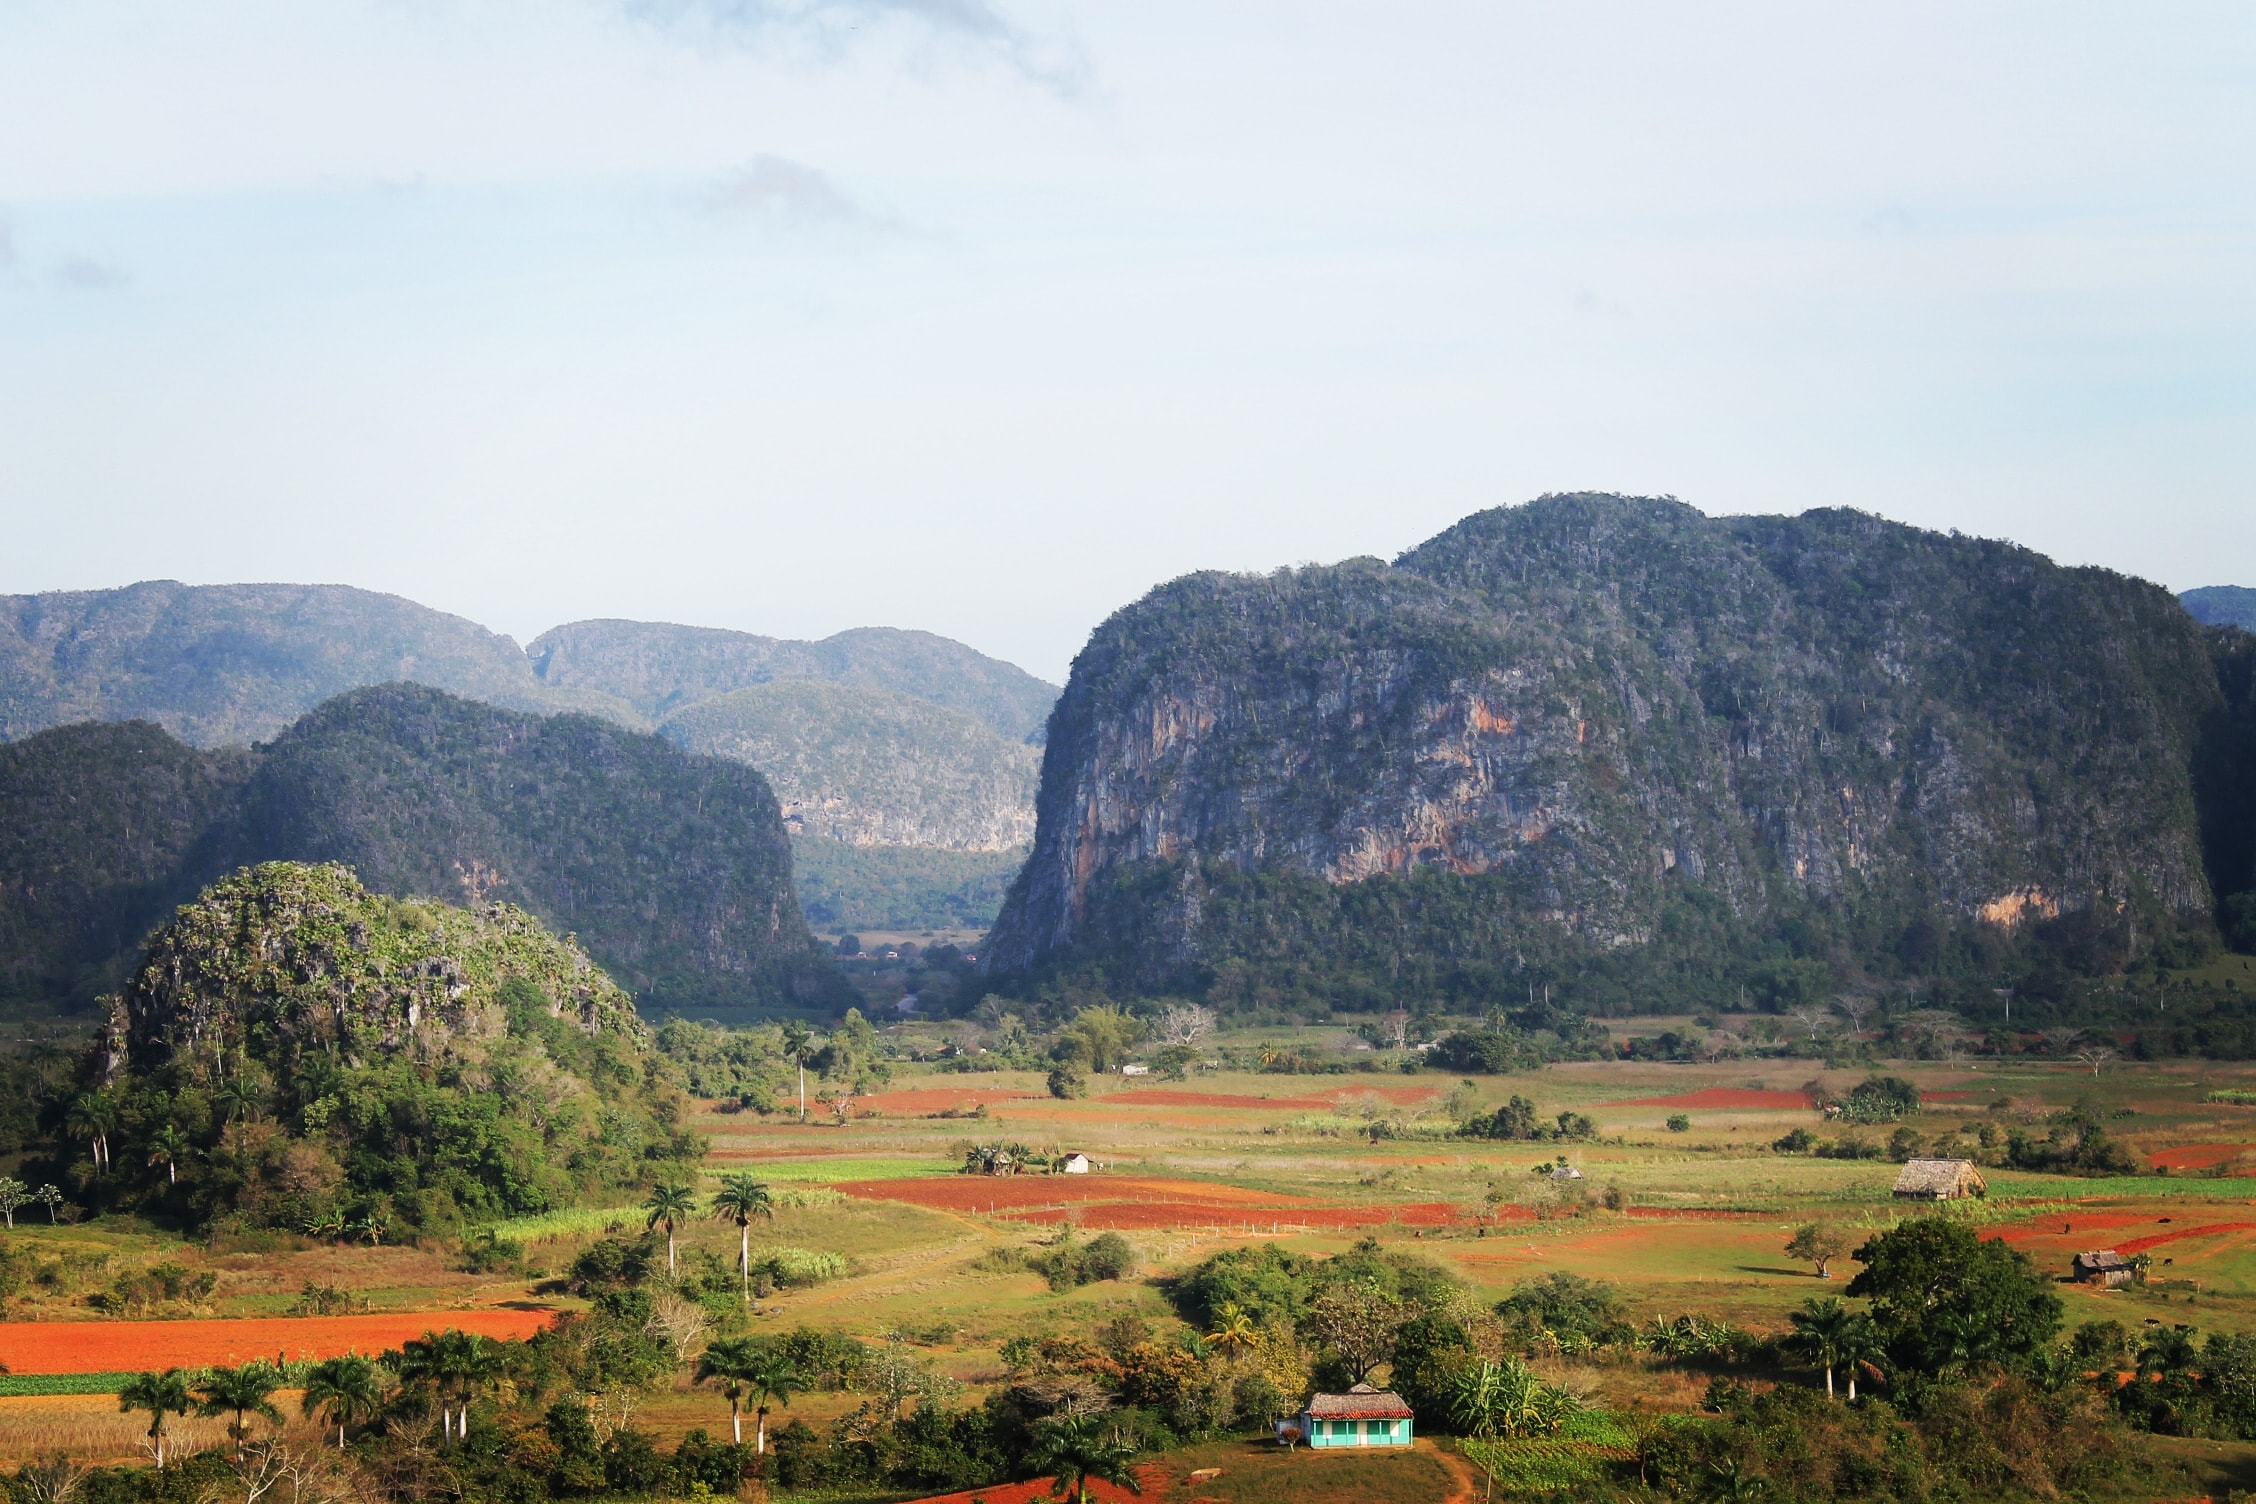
(1467, 1483)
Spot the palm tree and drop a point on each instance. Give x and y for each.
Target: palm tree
(242, 1392)
(795, 1040)
(92, 1117)
(241, 1097)
(739, 1200)
(771, 1379)
(1076, 1450)
(166, 1146)
(729, 1360)
(161, 1394)
(1233, 1330)
(1860, 1344)
(455, 1365)
(670, 1204)
(349, 1389)
(1822, 1333)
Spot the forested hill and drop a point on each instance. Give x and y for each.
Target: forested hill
(1617, 744)
(661, 669)
(2223, 606)
(221, 664)
(673, 869)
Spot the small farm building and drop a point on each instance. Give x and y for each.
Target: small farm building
(1075, 1164)
(1566, 1172)
(1940, 1180)
(1362, 1417)
(2103, 1267)
(1132, 1068)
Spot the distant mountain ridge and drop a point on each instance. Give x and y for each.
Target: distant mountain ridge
(2222, 606)
(918, 723)
(674, 870)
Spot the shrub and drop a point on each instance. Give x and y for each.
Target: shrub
(1679, 1123)
(1066, 1083)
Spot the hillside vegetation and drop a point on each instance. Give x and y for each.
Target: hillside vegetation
(2223, 606)
(1639, 755)
(673, 870)
(324, 1055)
(868, 767)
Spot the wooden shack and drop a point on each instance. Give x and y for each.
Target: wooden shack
(1940, 1180)
(2103, 1266)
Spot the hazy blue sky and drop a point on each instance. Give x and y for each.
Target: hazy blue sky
(979, 316)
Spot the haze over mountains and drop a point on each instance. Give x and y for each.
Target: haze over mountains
(884, 738)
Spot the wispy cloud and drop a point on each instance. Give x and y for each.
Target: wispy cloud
(87, 274)
(1054, 63)
(779, 188)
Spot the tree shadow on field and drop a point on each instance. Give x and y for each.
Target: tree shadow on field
(1789, 1273)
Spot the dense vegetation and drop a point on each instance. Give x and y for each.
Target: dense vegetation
(2223, 606)
(872, 767)
(845, 887)
(1644, 759)
(673, 870)
(297, 1051)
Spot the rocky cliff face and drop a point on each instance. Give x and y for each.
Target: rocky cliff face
(1594, 713)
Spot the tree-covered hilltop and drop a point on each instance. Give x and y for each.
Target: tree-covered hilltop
(673, 870)
(99, 827)
(231, 664)
(1646, 756)
(295, 1050)
(661, 669)
(2222, 606)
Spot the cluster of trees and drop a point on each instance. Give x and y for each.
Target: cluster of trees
(1517, 1119)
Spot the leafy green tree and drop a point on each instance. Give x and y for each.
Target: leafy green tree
(349, 1390)
(1818, 1243)
(1356, 1323)
(161, 1394)
(1945, 1300)
(242, 1392)
(13, 1193)
(740, 1199)
(1077, 1450)
(669, 1205)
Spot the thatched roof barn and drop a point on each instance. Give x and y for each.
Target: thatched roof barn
(2103, 1267)
(1940, 1180)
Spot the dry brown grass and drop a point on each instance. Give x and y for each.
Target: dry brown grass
(91, 1428)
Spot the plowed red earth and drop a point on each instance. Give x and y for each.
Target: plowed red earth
(1722, 1096)
(1015, 1193)
(1152, 1477)
(130, 1346)
(925, 1099)
(2140, 1245)
(2196, 1156)
(1128, 1216)
(1400, 1096)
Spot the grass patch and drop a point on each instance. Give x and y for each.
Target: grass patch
(18, 1385)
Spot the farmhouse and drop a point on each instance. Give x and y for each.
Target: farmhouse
(1074, 1164)
(1362, 1417)
(2103, 1267)
(1940, 1180)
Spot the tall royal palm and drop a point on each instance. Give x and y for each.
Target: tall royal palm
(1075, 1451)
(161, 1394)
(348, 1390)
(739, 1200)
(167, 1147)
(1824, 1333)
(242, 1392)
(729, 1363)
(670, 1205)
(772, 1381)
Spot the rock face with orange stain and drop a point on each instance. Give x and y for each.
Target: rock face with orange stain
(1582, 715)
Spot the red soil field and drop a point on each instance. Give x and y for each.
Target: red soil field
(2196, 1156)
(927, 1099)
(2140, 1245)
(1130, 1216)
(1325, 1101)
(1722, 1096)
(1152, 1477)
(131, 1346)
(1015, 1193)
